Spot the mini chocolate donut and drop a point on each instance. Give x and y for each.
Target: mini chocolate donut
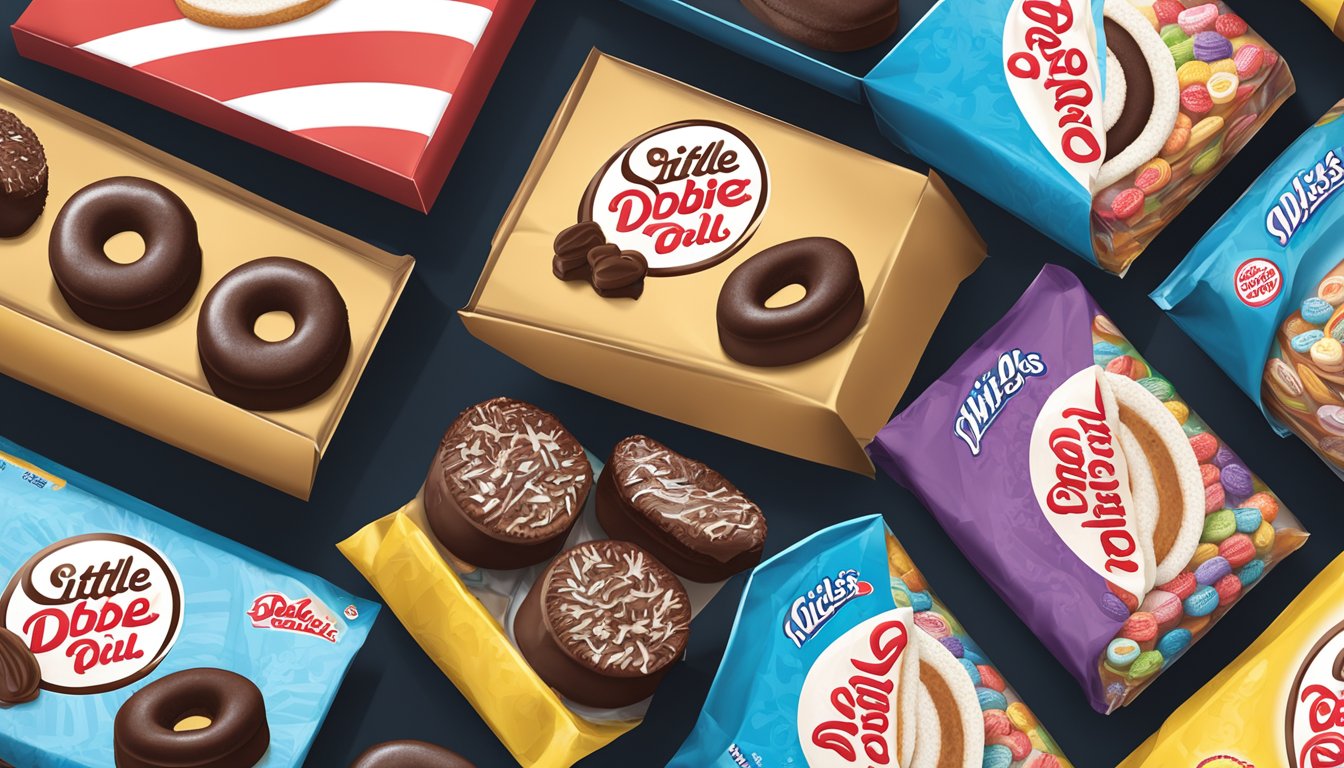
(238, 735)
(261, 375)
(830, 25)
(125, 297)
(24, 176)
(755, 334)
(408, 753)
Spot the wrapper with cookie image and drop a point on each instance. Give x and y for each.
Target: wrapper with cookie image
(686, 256)
(1273, 269)
(840, 652)
(535, 582)
(129, 636)
(1277, 704)
(1331, 12)
(1096, 491)
(1095, 121)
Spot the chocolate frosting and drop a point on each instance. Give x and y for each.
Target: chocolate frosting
(408, 753)
(613, 608)
(1139, 93)
(20, 674)
(686, 499)
(514, 469)
(23, 176)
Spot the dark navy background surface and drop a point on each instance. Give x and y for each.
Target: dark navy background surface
(427, 368)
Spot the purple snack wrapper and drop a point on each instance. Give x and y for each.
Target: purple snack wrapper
(1085, 491)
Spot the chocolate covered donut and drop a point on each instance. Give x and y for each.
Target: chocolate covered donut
(752, 333)
(125, 297)
(689, 516)
(23, 176)
(20, 674)
(604, 623)
(237, 736)
(830, 25)
(409, 754)
(248, 371)
(506, 485)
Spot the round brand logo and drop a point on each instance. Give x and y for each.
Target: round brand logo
(100, 611)
(1314, 722)
(686, 196)
(1258, 282)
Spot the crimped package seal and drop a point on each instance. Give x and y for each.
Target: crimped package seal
(461, 616)
(912, 243)
(1277, 705)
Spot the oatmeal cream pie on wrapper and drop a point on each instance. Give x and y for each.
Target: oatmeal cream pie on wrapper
(1123, 507)
(556, 604)
(841, 655)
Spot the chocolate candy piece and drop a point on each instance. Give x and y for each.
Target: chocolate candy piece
(409, 754)
(507, 484)
(125, 297)
(23, 175)
(1138, 108)
(20, 674)
(248, 371)
(830, 25)
(755, 334)
(689, 516)
(618, 275)
(236, 737)
(604, 623)
(571, 250)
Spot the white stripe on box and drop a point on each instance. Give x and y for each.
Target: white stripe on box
(449, 18)
(343, 105)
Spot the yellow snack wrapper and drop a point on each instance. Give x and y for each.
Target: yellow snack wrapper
(1331, 12)
(455, 612)
(1281, 703)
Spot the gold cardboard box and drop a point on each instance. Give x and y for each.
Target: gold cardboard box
(151, 380)
(661, 353)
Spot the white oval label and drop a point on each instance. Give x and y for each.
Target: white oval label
(1081, 480)
(686, 196)
(849, 706)
(99, 611)
(1315, 721)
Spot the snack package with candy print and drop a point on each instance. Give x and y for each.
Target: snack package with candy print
(840, 653)
(1094, 121)
(130, 637)
(1272, 269)
(1097, 490)
(1278, 704)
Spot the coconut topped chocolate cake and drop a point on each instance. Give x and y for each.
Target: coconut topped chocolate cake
(604, 623)
(690, 516)
(506, 485)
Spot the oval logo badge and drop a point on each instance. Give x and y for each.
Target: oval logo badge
(100, 611)
(686, 196)
(1314, 731)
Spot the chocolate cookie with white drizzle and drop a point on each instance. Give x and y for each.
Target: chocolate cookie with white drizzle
(604, 623)
(506, 486)
(689, 516)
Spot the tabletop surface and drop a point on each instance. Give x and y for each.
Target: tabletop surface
(427, 368)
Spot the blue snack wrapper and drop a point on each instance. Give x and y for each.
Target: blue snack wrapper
(840, 655)
(1263, 291)
(1020, 101)
(112, 594)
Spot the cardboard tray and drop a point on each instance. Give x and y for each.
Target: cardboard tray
(151, 380)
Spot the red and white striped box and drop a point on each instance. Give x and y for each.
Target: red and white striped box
(381, 93)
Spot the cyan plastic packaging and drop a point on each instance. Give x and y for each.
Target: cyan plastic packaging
(1019, 100)
(1263, 291)
(168, 596)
